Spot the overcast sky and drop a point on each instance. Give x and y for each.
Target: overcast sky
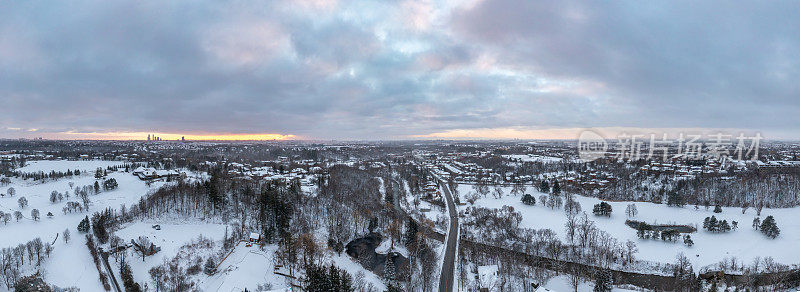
(327, 69)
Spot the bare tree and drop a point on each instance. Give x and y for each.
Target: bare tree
(575, 278)
(630, 249)
(631, 211)
(23, 202)
(518, 189)
(143, 246)
(571, 226)
(498, 192)
(66, 235)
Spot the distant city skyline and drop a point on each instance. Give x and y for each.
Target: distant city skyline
(397, 70)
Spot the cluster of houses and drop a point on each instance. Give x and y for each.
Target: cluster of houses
(149, 173)
(589, 179)
(461, 171)
(681, 168)
(778, 167)
(306, 176)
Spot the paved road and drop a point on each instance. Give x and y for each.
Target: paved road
(104, 258)
(446, 279)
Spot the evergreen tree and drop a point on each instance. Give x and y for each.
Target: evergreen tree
(393, 288)
(411, 232)
(674, 199)
(717, 209)
(127, 278)
(212, 187)
(688, 240)
(84, 225)
(602, 209)
(372, 224)
(389, 198)
(110, 184)
(724, 226)
(544, 187)
(331, 279)
(389, 269)
(99, 225)
(210, 267)
(603, 281)
(527, 199)
(556, 188)
(770, 228)
(711, 224)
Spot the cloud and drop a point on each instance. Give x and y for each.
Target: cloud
(396, 69)
(677, 64)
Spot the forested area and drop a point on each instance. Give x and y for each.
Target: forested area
(348, 204)
(745, 190)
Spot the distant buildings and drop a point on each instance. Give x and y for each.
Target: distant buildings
(778, 167)
(147, 173)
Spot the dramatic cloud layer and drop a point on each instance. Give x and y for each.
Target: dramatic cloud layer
(396, 69)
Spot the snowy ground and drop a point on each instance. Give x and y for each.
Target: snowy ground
(532, 158)
(170, 239)
(562, 284)
(63, 165)
(70, 264)
(38, 195)
(710, 248)
(246, 267)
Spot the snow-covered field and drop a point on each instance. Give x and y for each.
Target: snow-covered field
(562, 284)
(710, 248)
(38, 195)
(63, 165)
(70, 264)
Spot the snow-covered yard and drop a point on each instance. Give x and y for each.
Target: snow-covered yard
(171, 238)
(709, 248)
(246, 267)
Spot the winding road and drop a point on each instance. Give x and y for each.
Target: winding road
(446, 279)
